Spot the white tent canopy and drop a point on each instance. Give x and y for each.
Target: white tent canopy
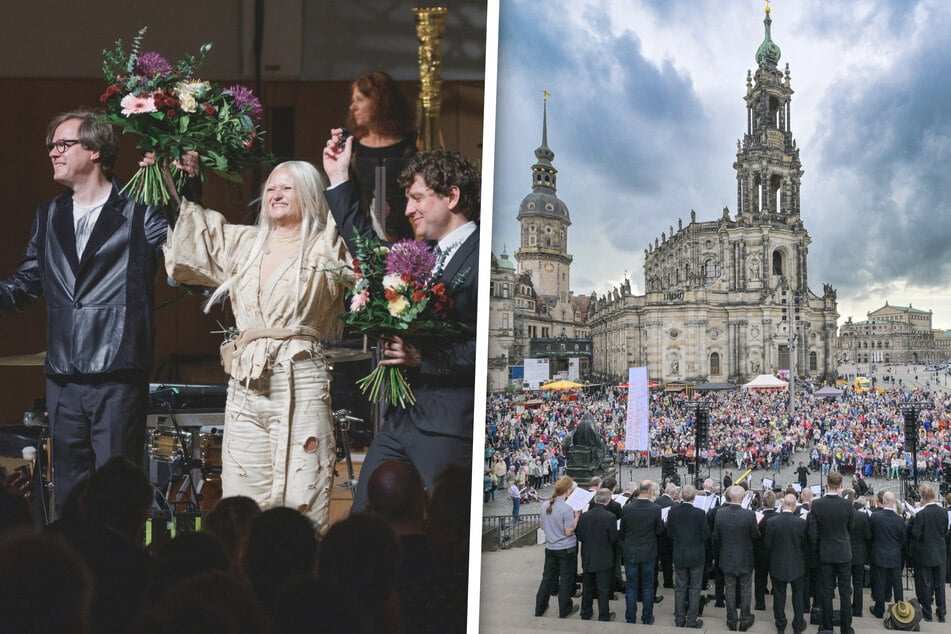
(766, 382)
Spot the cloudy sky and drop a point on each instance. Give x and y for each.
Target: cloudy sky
(647, 106)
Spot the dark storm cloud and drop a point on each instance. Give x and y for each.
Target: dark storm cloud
(881, 157)
(617, 123)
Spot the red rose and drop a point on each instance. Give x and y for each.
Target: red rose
(418, 296)
(111, 90)
(170, 113)
(439, 290)
(390, 294)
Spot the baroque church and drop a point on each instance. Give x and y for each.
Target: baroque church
(729, 298)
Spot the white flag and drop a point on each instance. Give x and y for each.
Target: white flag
(638, 411)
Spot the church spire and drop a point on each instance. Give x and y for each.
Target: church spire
(544, 154)
(768, 53)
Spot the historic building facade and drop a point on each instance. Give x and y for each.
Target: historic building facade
(729, 298)
(533, 312)
(892, 334)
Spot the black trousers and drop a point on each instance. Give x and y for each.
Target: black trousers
(738, 612)
(858, 583)
(93, 419)
(597, 582)
(400, 439)
(883, 581)
(929, 588)
(779, 603)
(831, 576)
(561, 566)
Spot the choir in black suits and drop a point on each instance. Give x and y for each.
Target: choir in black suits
(688, 531)
(734, 532)
(887, 557)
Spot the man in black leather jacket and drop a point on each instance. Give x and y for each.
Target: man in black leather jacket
(92, 253)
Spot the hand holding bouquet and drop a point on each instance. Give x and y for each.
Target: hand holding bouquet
(172, 112)
(396, 293)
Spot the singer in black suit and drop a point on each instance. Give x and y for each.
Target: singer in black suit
(598, 535)
(887, 557)
(861, 541)
(785, 538)
(734, 532)
(688, 531)
(830, 531)
(443, 201)
(641, 525)
(929, 530)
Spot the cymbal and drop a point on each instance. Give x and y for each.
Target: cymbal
(24, 359)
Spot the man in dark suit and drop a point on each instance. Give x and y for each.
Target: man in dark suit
(786, 545)
(688, 531)
(888, 541)
(734, 532)
(861, 540)
(664, 547)
(641, 525)
(597, 533)
(761, 555)
(93, 253)
(443, 193)
(929, 531)
(830, 528)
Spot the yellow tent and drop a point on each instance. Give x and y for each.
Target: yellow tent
(561, 385)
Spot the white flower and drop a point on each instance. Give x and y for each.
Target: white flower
(188, 103)
(193, 88)
(392, 282)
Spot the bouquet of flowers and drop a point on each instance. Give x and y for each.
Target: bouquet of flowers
(173, 112)
(395, 292)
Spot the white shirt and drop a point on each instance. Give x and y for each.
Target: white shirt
(451, 242)
(93, 211)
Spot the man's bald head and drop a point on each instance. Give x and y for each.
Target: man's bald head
(396, 492)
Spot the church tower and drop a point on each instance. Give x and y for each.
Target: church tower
(768, 173)
(544, 221)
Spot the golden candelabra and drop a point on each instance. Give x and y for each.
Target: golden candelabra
(430, 29)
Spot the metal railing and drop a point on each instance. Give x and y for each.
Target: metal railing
(510, 532)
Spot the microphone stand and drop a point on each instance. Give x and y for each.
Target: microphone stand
(189, 463)
(342, 420)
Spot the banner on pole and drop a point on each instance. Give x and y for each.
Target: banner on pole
(638, 411)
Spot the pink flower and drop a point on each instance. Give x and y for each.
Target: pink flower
(359, 300)
(135, 105)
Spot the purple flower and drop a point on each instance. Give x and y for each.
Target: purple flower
(152, 64)
(411, 258)
(244, 99)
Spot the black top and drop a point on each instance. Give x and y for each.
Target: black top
(367, 160)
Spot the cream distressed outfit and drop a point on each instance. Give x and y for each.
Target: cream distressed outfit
(278, 445)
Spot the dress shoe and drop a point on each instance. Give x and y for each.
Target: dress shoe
(940, 618)
(669, 585)
(780, 630)
(574, 608)
(927, 617)
(698, 624)
(760, 606)
(611, 617)
(857, 613)
(651, 622)
(658, 598)
(745, 625)
(541, 612)
(875, 613)
(719, 604)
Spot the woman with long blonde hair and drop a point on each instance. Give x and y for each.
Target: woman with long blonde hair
(559, 522)
(281, 277)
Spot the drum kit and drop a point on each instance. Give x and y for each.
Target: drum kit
(183, 448)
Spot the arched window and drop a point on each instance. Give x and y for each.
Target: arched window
(813, 361)
(710, 269)
(714, 363)
(777, 263)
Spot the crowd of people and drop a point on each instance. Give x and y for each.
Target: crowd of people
(855, 434)
(398, 567)
(741, 544)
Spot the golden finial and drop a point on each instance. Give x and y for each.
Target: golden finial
(767, 7)
(545, 94)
